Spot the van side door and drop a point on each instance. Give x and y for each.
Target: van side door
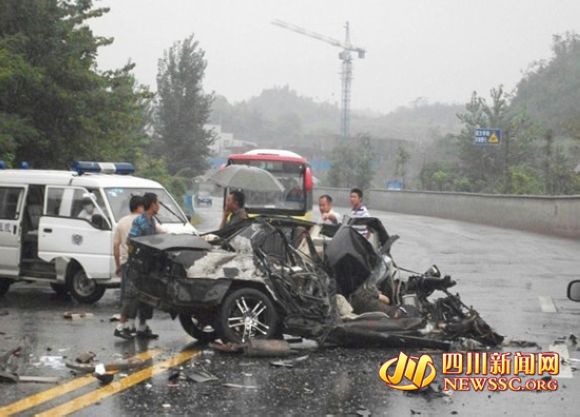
(12, 200)
(67, 232)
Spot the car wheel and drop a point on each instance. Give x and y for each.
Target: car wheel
(59, 289)
(203, 333)
(248, 313)
(83, 289)
(4, 286)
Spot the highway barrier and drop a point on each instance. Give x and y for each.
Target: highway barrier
(554, 215)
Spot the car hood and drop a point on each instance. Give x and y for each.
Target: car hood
(165, 242)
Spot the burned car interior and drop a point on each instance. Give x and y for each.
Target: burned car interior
(336, 284)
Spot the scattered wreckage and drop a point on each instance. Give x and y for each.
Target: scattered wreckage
(268, 276)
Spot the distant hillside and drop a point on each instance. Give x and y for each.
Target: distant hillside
(280, 114)
(550, 90)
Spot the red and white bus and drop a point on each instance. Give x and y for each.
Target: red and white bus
(293, 172)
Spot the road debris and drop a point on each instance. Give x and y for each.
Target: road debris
(77, 316)
(119, 365)
(85, 357)
(226, 347)
(288, 363)
(115, 317)
(6, 376)
(54, 362)
(267, 347)
(521, 344)
(200, 376)
(39, 379)
(228, 385)
(102, 375)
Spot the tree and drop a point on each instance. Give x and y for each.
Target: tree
(488, 166)
(351, 163)
(403, 157)
(55, 106)
(183, 109)
(550, 91)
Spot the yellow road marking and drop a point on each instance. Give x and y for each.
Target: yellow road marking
(118, 386)
(52, 393)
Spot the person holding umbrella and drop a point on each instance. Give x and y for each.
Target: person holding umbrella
(234, 211)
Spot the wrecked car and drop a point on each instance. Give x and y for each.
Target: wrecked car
(268, 276)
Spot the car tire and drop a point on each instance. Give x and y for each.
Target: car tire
(59, 289)
(4, 286)
(192, 328)
(83, 289)
(248, 313)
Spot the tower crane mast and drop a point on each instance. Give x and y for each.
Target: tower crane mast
(346, 57)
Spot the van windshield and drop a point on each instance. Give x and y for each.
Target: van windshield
(119, 201)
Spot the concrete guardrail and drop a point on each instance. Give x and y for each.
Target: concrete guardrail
(553, 215)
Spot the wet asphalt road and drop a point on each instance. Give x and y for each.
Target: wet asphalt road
(500, 272)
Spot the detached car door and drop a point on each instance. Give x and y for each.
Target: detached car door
(65, 232)
(11, 207)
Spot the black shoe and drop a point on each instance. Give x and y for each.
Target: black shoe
(146, 334)
(123, 334)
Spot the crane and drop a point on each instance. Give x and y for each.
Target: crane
(346, 73)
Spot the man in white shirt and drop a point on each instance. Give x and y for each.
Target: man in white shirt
(328, 215)
(356, 203)
(120, 252)
(358, 210)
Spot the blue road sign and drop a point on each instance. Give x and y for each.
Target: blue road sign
(487, 136)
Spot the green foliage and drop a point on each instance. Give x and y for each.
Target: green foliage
(525, 181)
(550, 90)
(403, 156)
(351, 163)
(155, 169)
(183, 109)
(54, 105)
(488, 166)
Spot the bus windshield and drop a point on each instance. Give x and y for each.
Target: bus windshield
(290, 175)
(119, 198)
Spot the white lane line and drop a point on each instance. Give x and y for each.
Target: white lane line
(565, 369)
(547, 304)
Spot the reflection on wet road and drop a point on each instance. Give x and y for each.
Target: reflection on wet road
(516, 280)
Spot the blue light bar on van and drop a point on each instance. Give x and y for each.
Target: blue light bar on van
(2, 164)
(121, 168)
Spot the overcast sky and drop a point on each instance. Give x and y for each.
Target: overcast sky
(438, 49)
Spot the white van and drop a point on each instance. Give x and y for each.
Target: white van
(46, 234)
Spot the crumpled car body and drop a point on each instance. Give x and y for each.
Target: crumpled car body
(271, 275)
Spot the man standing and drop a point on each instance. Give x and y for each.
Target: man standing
(356, 203)
(125, 327)
(234, 211)
(145, 225)
(329, 216)
(358, 210)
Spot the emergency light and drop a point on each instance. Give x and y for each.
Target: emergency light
(2, 164)
(120, 168)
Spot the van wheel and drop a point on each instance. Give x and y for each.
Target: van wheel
(4, 286)
(197, 330)
(59, 289)
(248, 313)
(83, 289)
